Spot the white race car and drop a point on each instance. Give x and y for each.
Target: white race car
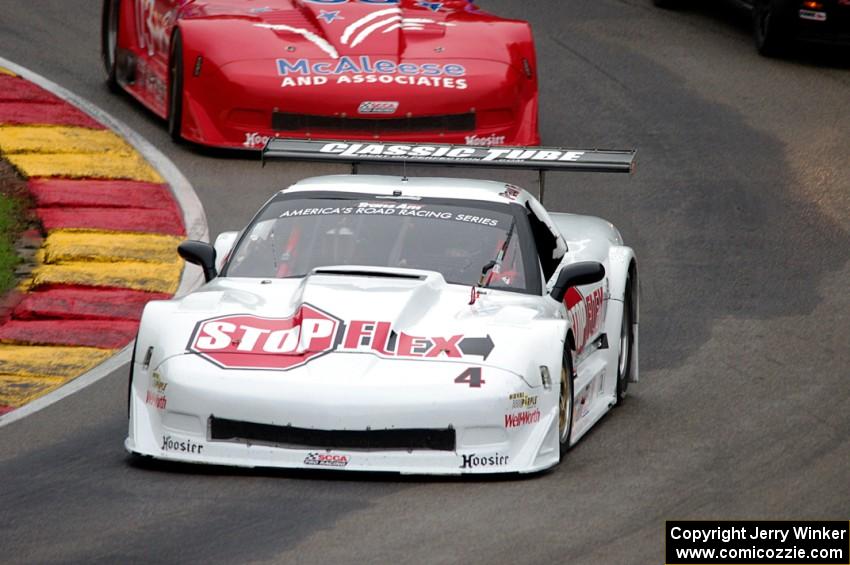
(411, 325)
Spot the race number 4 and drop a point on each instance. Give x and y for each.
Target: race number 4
(472, 377)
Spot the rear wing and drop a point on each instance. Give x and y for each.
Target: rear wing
(539, 159)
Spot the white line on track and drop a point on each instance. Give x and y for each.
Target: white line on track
(193, 218)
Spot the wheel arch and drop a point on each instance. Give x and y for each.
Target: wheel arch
(623, 275)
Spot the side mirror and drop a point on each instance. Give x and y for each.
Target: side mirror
(223, 246)
(576, 274)
(199, 253)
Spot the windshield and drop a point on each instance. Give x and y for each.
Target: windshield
(294, 234)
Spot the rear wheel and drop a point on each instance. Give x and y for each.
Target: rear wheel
(109, 42)
(175, 88)
(624, 357)
(565, 401)
(771, 27)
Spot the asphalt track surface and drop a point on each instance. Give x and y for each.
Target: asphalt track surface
(740, 215)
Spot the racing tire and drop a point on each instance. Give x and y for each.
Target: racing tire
(566, 403)
(109, 42)
(627, 340)
(175, 88)
(771, 27)
(130, 380)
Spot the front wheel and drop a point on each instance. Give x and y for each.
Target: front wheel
(175, 88)
(565, 401)
(109, 42)
(624, 357)
(771, 28)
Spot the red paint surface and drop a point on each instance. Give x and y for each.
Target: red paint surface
(8, 303)
(15, 89)
(6, 409)
(84, 303)
(113, 219)
(50, 193)
(107, 334)
(44, 113)
(497, 75)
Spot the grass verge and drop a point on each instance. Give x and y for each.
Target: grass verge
(15, 203)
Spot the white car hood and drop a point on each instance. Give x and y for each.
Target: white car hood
(283, 324)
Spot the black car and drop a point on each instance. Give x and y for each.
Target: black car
(777, 23)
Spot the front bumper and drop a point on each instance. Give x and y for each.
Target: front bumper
(243, 104)
(173, 416)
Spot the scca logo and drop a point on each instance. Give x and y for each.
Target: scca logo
(326, 460)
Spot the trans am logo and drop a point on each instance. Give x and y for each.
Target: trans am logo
(245, 341)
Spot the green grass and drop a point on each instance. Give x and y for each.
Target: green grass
(10, 224)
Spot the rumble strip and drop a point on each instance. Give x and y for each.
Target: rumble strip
(111, 225)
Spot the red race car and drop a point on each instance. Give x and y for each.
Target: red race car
(233, 73)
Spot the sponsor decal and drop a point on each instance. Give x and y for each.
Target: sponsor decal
(158, 383)
(521, 400)
(585, 313)
(329, 17)
(147, 79)
(522, 418)
(583, 403)
(449, 152)
(364, 70)
(158, 401)
(326, 460)
(377, 107)
(384, 21)
(170, 443)
(358, 1)
(472, 461)
(254, 139)
(246, 341)
(156, 392)
(153, 27)
(812, 15)
(511, 192)
(433, 6)
(528, 414)
(389, 209)
(485, 141)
